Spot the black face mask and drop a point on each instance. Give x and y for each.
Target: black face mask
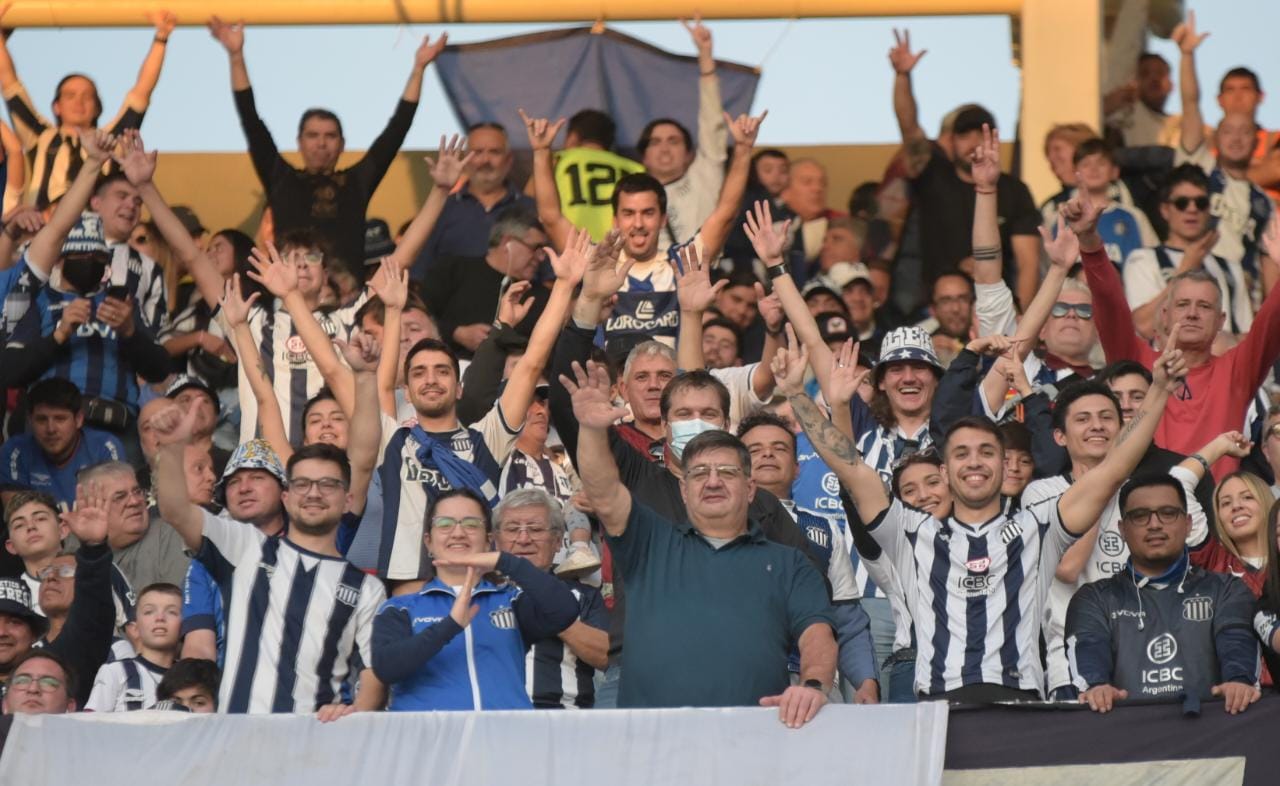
(84, 273)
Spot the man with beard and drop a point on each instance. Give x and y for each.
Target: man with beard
(646, 306)
(273, 662)
(1240, 209)
(1136, 111)
(978, 577)
(438, 453)
(470, 212)
(942, 190)
(320, 197)
(951, 309)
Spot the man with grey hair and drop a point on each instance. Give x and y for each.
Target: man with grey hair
(530, 523)
(463, 292)
(145, 551)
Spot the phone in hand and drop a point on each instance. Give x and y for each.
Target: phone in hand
(118, 291)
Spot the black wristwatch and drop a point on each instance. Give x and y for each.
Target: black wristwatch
(776, 271)
(816, 685)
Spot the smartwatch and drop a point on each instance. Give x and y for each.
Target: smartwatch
(776, 271)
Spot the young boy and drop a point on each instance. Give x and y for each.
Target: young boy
(130, 684)
(1123, 227)
(191, 683)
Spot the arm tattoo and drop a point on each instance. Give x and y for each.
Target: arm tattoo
(822, 431)
(1128, 430)
(986, 253)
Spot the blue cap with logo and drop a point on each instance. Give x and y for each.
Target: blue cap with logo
(907, 343)
(86, 236)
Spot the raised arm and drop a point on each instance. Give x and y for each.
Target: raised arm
(391, 286)
(1111, 311)
(716, 228)
(8, 73)
(172, 429)
(542, 133)
(1080, 506)
(231, 36)
(1192, 123)
(988, 258)
(711, 117)
(904, 101)
(365, 434)
(835, 448)
(1063, 250)
(448, 167)
(139, 97)
(425, 56)
(695, 293)
(595, 413)
(46, 246)
(569, 269)
(235, 318)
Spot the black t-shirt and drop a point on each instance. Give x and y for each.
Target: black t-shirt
(944, 203)
(464, 291)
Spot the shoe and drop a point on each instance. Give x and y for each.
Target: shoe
(580, 562)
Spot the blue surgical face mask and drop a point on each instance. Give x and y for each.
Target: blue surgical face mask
(682, 431)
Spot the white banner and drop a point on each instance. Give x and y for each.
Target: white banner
(888, 744)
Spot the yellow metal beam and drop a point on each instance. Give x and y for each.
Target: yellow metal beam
(133, 13)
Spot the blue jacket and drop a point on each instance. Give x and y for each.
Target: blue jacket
(431, 662)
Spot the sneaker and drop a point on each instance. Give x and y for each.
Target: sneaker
(580, 562)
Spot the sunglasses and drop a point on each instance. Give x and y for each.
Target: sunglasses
(1082, 310)
(1182, 203)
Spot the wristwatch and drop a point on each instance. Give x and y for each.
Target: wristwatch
(776, 271)
(815, 684)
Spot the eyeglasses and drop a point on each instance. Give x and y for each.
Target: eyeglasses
(703, 472)
(304, 485)
(534, 531)
(1183, 202)
(953, 300)
(61, 571)
(1166, 514)
(1082, 310)
(45, 684)
(447, 523)
(309, 257)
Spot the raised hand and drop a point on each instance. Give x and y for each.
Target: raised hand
(699, 32)
(592, 403)
(278, 275)
(1170, 369)
(164, 22)
(770, 308)
(542, 132)
(23, 220)
(463, 612)
(991, 346)
(513, 307)
(97, 145)
(235, 307)
(428, 51)
(766, 238)
(1014, 373)
(361, 352)
(391, 285)
(138, 165)
(1081, 213)
(172, 426)
(1232, 443)
(1197, 250)
(605, 275)
(845, 377)
(1185, 35)
(900, 56)
(694, 289)
(231, 36)
(745, 128)
(986, 160)
(789, 365)
(571, 264)
(87, 520)
(451, 163)
(1063, 248)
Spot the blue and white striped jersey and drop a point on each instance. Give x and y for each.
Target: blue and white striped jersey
(881, 447)
(125, 685)
(298, 624)
(979, 592)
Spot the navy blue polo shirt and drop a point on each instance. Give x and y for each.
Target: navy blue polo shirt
(710, 627)
(463, 228)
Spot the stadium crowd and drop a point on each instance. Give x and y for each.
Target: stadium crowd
(649, 432)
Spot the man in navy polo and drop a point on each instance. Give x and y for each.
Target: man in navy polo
(714, 608)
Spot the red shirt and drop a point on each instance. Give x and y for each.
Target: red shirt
(1215, 558)
(1221, 389)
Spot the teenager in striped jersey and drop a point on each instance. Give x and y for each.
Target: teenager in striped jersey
(981, 575)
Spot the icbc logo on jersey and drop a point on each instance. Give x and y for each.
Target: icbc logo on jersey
(295, 351)
(976, 581)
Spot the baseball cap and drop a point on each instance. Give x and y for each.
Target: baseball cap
(189, 220)
(184, 381)
(907, 343)
(86, 236)
(377, 241)
(842, 274)
(254, 454)
(817, 287)
(972, 119)
(15, 600)
(833, 326)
